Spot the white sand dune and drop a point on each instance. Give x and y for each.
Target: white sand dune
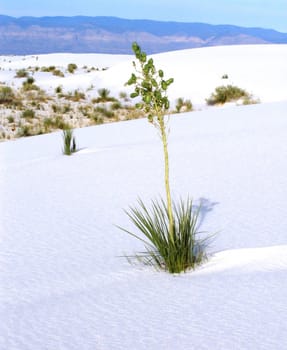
(260, 69)
(63, 284)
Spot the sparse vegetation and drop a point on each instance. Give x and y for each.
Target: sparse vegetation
(29, 85)
(58, 90)
(28, 114)
(104, 96)
(21, 73)
(183, 105)
(225, 94)
(58, 73)
(6, 94)
(72, 67)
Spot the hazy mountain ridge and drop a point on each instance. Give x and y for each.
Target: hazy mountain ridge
(33, 35)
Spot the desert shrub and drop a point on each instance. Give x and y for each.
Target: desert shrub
(105, 112)
(75, 96)
(28, 114)
(25, 130)
(69, 142)
(169, 229)
(96, 118)
(6, 94)
(48, 69)
(29, 85)
(59, 89)
(72, 67)
(66, 108)
(58, 73)
(30, 80)
(59, 123)
(225, 94)
(183, 105)
(104, 96)
(21, 73)
(56, 108)
(116, 105)
(182, 251)
(10, 119)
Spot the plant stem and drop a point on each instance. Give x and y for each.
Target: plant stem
(166, 176)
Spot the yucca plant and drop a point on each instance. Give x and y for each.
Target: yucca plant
(186, 250)
(69, 142)
(170, 229)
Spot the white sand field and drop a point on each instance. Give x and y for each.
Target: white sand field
(260, 69)
(63, 282)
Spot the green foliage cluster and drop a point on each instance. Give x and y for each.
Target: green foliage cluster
(6, 95)
(29, 85)
(48, 69)
(55, 123)
(58, 89)
(151, 86)
(225, 94)
(104, 96)
(72, 67)
(58, 73)
(75, 96)
(28, 114)
(21, 73)
(183, 105)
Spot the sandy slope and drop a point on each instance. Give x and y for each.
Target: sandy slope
(260, 69)
(64, 286)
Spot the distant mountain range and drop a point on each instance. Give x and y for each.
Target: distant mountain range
(81, 34)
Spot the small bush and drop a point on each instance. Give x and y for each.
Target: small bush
(105, 112)
(58, 73)
(225, 76)
(225, 94)
(58, 90)
(183, 251)
(66, 108)
(116, 105)
(10, 119)
(104, 96)
(21, 73)
(30, 80)
(183, 105)
(72, 67)
(6, 94)
(28, 114)
(29, 85)
(25, 130)
(69, 141)
(76, 96)
(48, 69)
(97, 118)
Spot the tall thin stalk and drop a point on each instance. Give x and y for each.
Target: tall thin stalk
(151, 87)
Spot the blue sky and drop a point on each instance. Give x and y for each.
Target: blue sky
(248, 13)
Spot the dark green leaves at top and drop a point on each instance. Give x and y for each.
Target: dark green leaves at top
(149, 85)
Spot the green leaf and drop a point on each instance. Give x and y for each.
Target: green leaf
(164, 85)
(169, 81)
(134, 94)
